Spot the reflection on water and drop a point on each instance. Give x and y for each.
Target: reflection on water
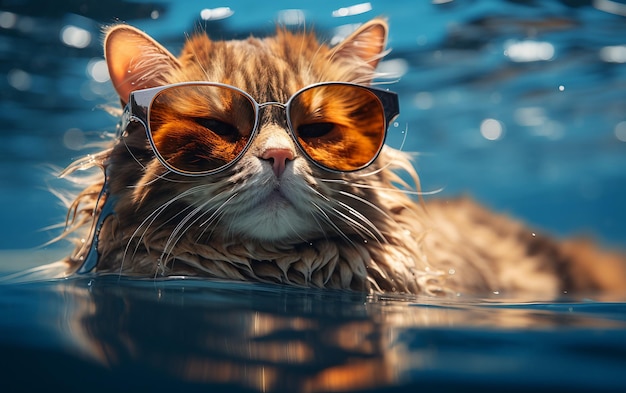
(282, 339)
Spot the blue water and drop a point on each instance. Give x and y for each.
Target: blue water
(107, 333)
(521, 104)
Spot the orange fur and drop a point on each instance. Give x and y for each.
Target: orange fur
(307, 227)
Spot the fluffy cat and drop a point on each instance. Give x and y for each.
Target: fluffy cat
(273, 216)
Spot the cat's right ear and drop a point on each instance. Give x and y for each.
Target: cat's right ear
(366, 43)
(135, 60)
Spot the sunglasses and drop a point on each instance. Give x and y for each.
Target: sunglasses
(201, 128)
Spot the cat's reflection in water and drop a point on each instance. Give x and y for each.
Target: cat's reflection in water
(287, 341)
(267, 338)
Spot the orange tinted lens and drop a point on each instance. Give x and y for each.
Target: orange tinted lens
(341, 127)
(200, 128)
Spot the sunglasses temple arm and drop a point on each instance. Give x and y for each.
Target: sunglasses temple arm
(390, 102)
(124, 121)
(132, 112)
(392, 107)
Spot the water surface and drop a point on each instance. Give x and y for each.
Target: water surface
(110, 333)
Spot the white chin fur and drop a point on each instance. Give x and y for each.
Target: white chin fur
(269, 209)
(273, 221)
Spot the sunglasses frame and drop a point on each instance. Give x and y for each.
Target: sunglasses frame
(140, 102)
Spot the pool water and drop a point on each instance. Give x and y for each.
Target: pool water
(106, 333)
(520, 104)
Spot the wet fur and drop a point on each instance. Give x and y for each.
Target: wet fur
(362, 231)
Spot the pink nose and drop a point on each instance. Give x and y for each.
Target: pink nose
(278, 158)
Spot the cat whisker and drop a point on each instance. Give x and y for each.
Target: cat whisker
(330, 222)
(319, 225)
(152, 218)
(163, 177)
(369, 204)
(214, 218)
(211, 223)
(295, 231)
(386, 81)
(188, 221)
(208, 220)
(131, 154)
(405, 133)
(354, 224)
(154, 215)
(156, 176)
(375, 171)
(382, 188)
(178, 232)
(351, 222)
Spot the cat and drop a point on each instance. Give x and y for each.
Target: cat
(264, 206)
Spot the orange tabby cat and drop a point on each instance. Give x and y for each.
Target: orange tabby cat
(269, 173)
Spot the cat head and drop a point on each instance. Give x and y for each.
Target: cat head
(273, 192)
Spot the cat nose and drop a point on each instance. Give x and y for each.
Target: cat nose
(278, 157)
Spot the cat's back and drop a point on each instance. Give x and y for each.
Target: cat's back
(516, 259)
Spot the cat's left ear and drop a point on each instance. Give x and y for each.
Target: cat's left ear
(367, 42)
(135, 60)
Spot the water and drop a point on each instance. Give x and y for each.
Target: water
(521, 104)
(105, 333)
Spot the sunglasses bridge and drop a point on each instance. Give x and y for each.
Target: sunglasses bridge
(277, 156)
(284, 107)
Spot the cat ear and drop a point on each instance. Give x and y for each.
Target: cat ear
(135, 60)
(367, 42)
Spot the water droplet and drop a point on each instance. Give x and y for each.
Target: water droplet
(561, 88)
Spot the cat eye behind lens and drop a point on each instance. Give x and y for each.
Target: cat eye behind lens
(341, 127)
(199, 128)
